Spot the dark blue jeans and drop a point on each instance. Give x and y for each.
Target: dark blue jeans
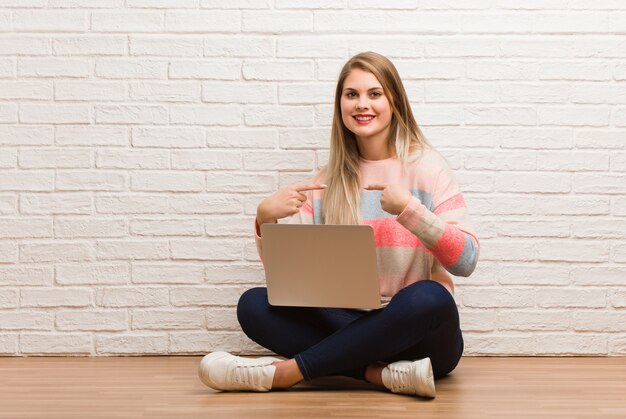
(420, 321)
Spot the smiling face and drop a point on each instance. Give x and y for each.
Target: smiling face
(365, 109)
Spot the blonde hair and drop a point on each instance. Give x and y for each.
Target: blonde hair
(342, 196)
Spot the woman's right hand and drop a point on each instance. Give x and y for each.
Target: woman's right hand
(284, 202)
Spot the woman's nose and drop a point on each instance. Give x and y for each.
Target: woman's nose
(362, 104)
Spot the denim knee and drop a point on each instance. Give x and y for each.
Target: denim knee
(248, 306)
(427, 297)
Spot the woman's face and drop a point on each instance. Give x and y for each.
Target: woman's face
(363, 95)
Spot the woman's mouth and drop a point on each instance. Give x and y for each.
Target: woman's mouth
(364, 120)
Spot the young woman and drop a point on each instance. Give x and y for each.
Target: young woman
(382, 172)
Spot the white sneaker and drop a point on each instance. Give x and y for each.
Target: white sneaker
(223, 371)
(410, 377)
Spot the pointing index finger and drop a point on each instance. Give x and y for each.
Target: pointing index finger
(311, 187)
(376, 187)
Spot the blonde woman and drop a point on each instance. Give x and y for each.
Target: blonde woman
(381, 171)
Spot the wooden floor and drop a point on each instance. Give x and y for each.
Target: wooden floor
(168, 387)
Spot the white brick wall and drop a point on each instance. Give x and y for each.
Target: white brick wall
(138, 136)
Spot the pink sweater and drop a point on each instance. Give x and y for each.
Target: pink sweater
(434, 229)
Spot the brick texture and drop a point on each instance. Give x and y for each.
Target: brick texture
(137, 138)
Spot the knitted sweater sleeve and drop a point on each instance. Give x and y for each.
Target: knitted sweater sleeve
(446, 231)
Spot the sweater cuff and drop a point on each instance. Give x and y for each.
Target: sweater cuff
(412, 214)
(421, 222)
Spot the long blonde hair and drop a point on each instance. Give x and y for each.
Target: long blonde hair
(342, 196)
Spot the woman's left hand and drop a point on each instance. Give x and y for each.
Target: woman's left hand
(394, 198)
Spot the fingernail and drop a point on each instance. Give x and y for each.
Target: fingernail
(323, 185)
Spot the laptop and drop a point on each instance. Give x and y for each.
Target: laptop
(321, 265)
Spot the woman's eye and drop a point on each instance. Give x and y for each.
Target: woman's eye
(375, 94)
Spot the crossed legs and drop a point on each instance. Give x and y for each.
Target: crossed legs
(420, 321)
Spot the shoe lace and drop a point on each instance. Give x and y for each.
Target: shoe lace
(399, 378)
(245, 374)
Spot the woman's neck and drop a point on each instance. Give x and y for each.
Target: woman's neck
(373, 151)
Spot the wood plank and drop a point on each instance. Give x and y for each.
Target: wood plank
(130, 387)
